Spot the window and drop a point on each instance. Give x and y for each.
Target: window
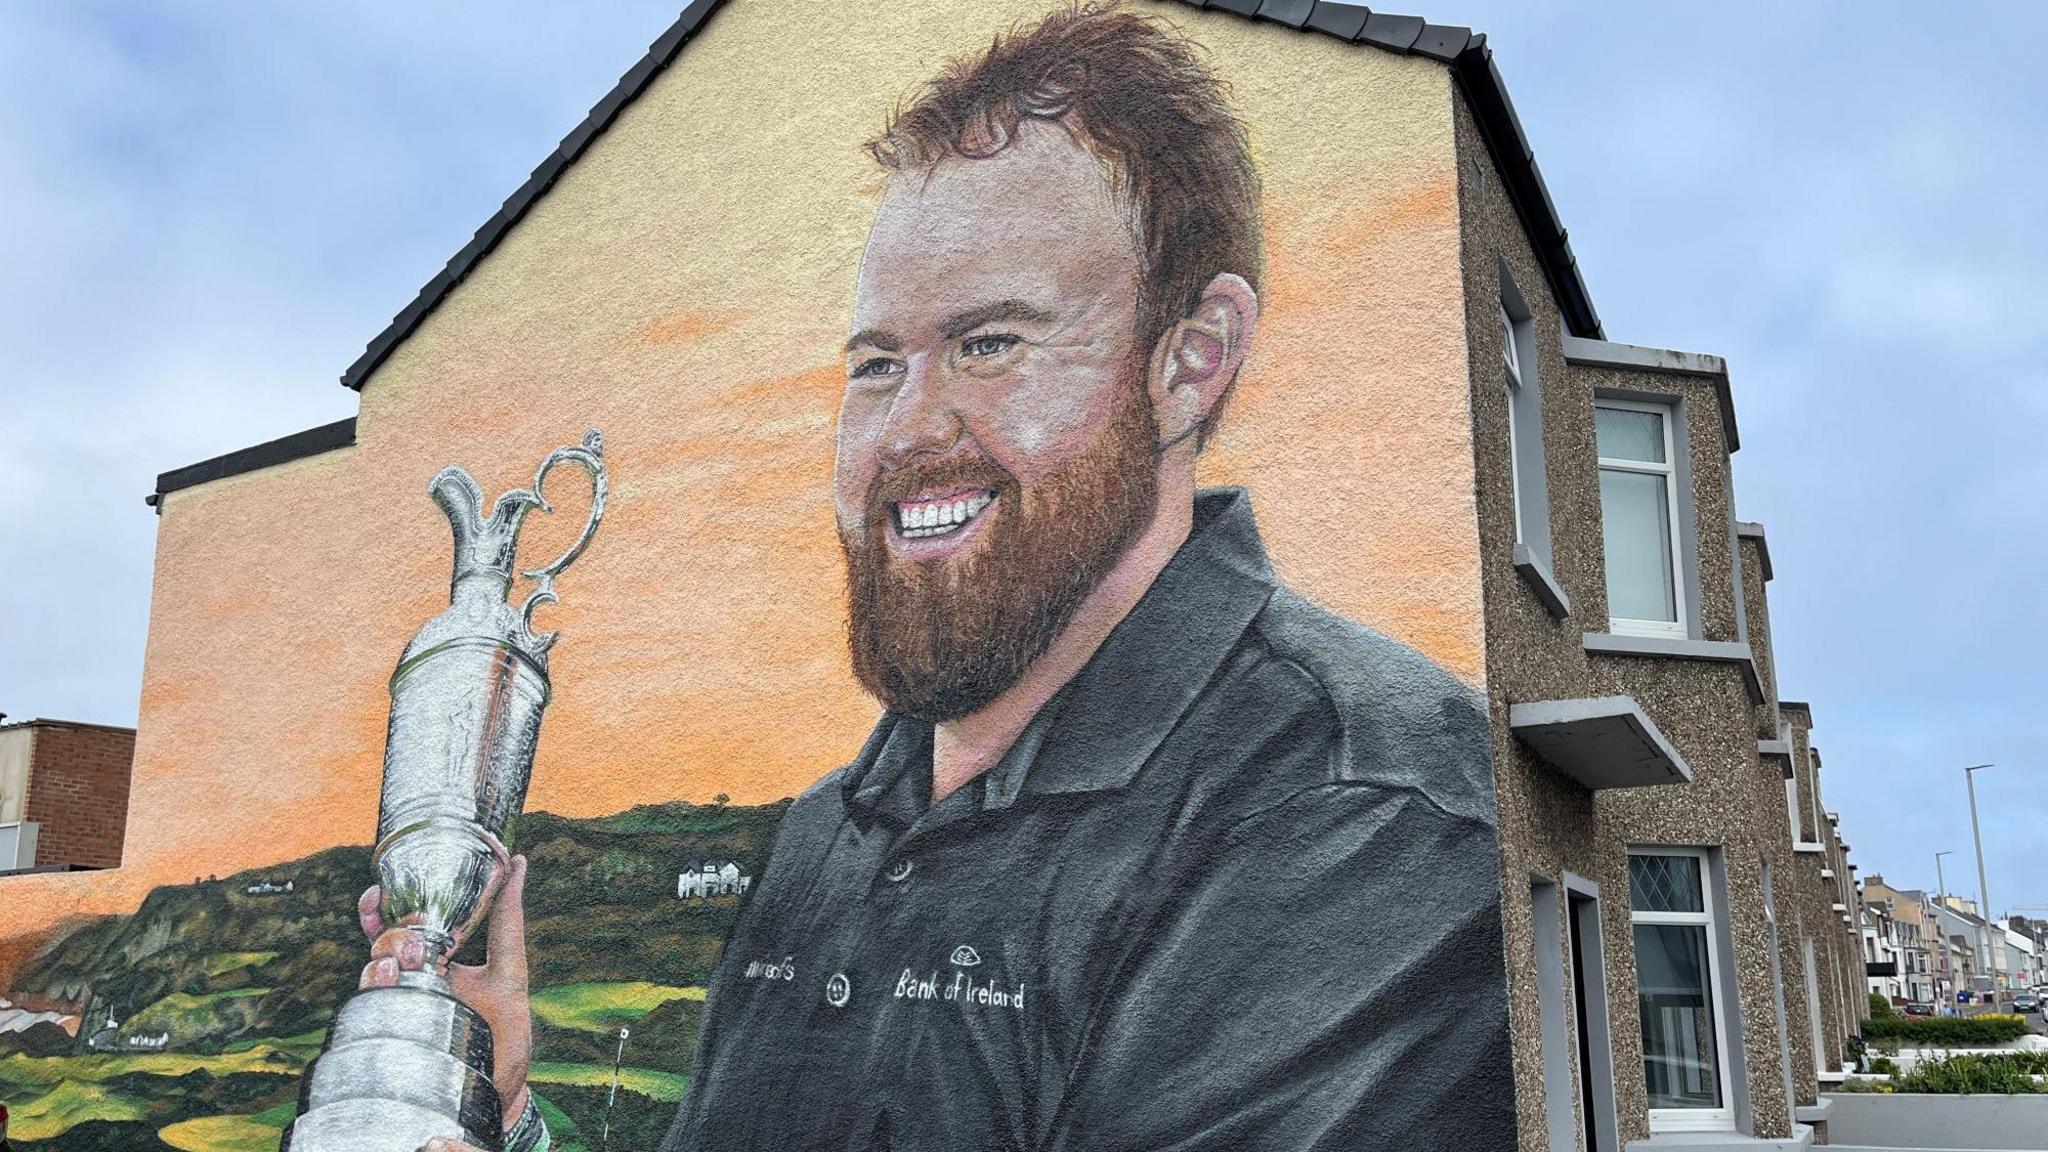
(1639, 518)
(1685, 1063)
(1528, 478)
(1813, 1028)
(1511, 363)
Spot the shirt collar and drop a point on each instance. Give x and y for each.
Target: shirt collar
(1106, 722)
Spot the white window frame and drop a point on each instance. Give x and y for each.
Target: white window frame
(1622, 625)
(1696, 1119)
(1511, 362)
(1792, 805)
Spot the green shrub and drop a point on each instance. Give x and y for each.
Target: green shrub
(1947, 1031)
(1880, 1006)
(2002, 1072)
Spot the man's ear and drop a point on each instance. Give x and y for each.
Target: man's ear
(1198, 359)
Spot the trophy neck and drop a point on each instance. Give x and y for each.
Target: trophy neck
(427, 981)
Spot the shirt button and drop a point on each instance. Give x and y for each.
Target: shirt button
(899, 871)
(838, 990)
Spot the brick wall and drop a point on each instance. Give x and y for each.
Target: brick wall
(78, 791)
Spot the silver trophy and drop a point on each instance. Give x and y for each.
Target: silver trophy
(405, 1064)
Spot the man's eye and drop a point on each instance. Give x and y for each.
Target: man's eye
(878, 366)
(987, 345)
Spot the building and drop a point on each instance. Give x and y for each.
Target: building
(1548, 516)
(63, 794)
(2022, 968)
(712, 879)
(1984, 959)
(1664, 840)
(1883, 956)
(1918, 931)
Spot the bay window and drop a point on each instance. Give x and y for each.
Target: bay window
(1639, 518)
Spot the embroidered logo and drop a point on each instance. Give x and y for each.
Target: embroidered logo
(785, 970)
(966, 957)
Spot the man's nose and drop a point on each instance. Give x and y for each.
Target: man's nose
(921, 419)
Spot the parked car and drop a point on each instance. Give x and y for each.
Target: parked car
(2026, 1002)
(1920, 1008)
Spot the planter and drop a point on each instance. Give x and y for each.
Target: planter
(1872, 1120)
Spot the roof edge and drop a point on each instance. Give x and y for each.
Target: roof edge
(1751, 530)
(48, 722)
(1465, 51)
(298, 445)
(1486, 94)
(1589, 352)
(659, 55)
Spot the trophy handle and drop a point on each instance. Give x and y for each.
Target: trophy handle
(590, 457)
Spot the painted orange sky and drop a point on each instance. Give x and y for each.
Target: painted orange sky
(690, 303)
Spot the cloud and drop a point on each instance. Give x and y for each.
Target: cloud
(210, 208)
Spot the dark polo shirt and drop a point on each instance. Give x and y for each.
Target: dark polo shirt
(1235, 887)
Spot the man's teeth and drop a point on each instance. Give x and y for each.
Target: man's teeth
(938, 517)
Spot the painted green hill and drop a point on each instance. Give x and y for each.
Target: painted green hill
(245, 982)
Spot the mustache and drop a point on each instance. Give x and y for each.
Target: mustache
(905, 481)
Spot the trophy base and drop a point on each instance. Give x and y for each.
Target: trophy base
(402, 1065)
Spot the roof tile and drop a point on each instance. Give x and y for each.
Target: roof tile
(1338, 18)
(1441, 42)
(1397, 33)
(1293, 13)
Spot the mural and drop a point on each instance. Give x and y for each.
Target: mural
(1026, 694)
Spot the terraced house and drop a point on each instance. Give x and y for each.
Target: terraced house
(1492, 553)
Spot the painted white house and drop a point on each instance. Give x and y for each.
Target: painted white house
(710, 879)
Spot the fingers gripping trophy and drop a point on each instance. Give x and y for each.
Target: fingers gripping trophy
(408, 1063)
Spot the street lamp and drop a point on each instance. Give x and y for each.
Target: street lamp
(1983, 886)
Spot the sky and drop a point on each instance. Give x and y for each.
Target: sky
(208, 208)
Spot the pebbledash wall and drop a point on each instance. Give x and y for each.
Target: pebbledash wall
(683, 286)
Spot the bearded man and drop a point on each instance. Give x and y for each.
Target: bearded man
(1146, 851)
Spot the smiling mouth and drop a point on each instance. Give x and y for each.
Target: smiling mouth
(940, 515)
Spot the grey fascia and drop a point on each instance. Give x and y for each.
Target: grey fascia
(1653, 647)
(1602, 743)
(1780, 747)
(1539, 578)
(1751, 530)
(1589, 353)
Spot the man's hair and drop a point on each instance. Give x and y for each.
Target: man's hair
(1138, 94)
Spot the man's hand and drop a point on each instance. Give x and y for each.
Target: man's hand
(496, 989)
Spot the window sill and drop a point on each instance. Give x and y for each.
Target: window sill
(1655, 647)
(1810, 847)
(1539, 579)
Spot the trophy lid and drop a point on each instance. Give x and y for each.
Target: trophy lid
(485, 549)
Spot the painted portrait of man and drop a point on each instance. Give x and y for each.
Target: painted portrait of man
(1146, 850)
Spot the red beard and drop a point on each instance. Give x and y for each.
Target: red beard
(941, 639)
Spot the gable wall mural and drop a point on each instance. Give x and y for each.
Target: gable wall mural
(726, 284)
